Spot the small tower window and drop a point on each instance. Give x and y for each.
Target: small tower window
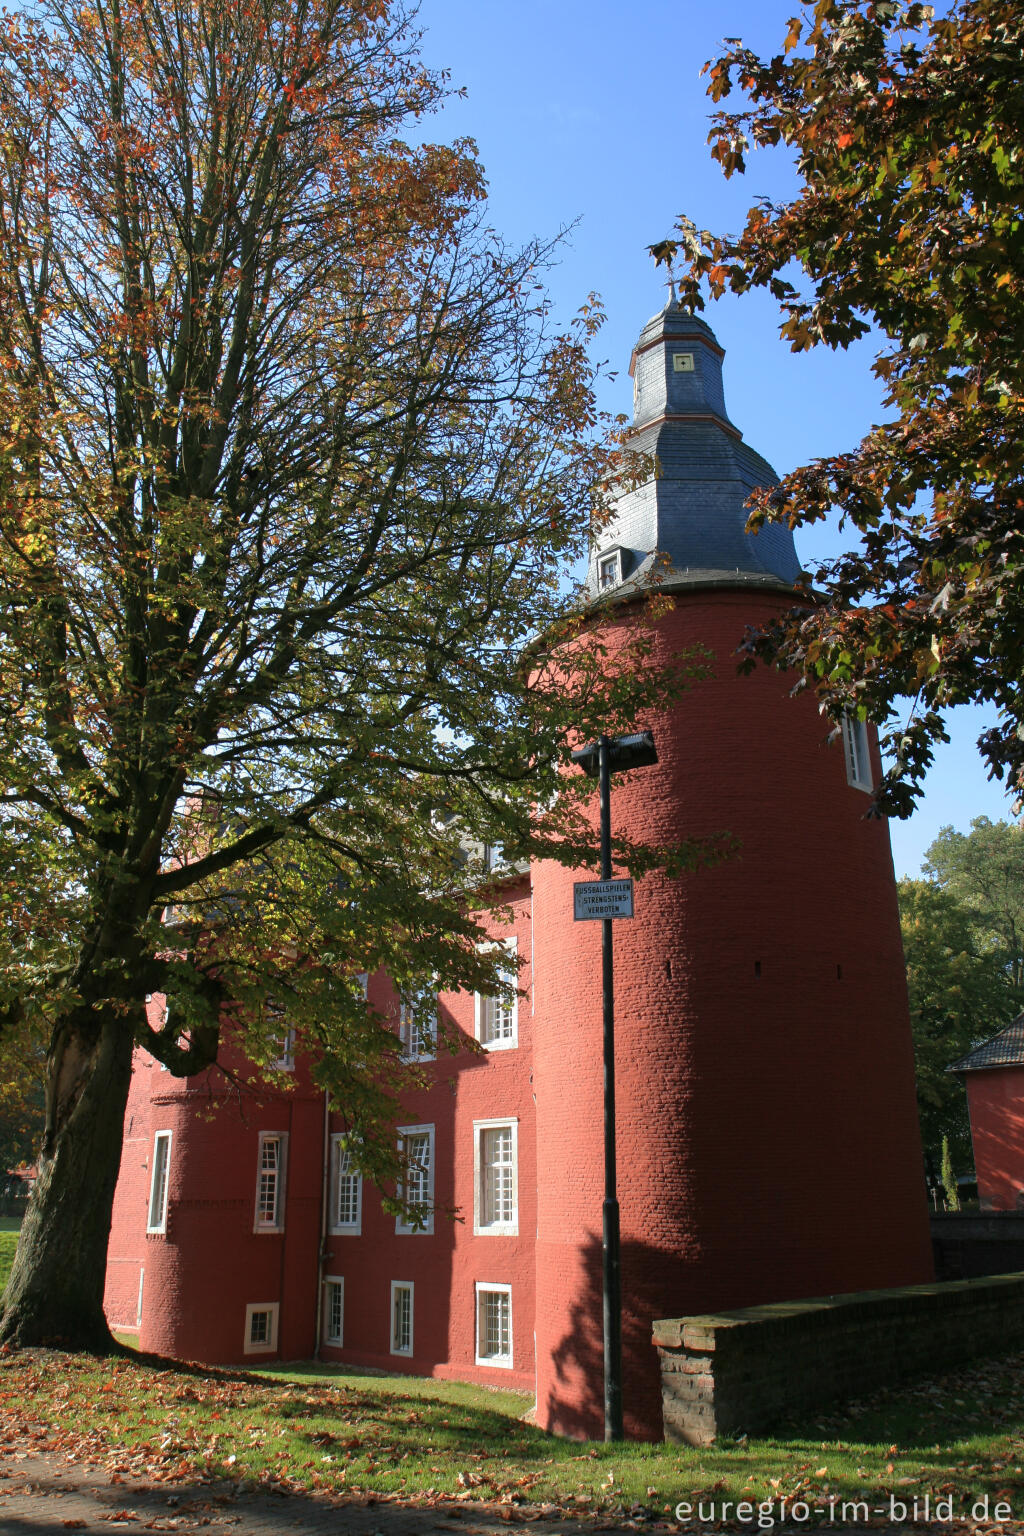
(858, 756)
(609, 570)
(682, 362)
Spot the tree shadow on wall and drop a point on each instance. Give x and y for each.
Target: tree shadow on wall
(575, 1402)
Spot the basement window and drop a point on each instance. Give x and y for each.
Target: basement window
(261, 1327)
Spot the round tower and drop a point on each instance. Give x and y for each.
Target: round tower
(767, 1135)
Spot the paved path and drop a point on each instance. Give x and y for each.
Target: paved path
(48, 1494)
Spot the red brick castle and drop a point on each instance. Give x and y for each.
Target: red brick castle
(767, 1138)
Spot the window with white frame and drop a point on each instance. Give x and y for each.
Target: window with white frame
(346, 1189)
(286, 1061)
(417, 1027)
(334, 1311)
(261, 1327)
(157, 1218)
(497, 1017)
(857, 750)
(609, 570)
(363, 982)
(270, 1174)
(401, 1317)
(496, 1169)
(493, 1324)
(416, 1187)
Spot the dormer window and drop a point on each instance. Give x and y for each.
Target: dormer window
(609, 570)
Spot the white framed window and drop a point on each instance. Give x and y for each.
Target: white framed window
(417, 1027)
(286, 1061)
(270, 1175)
(346, 1214)
(493, 1324)
(261, 1327)
(609, 570)
(363, 982)
(857, 750)
(496, 1177)
(497, 1018)
(416, 1148)
(156, 1220)
(401, 1317)
(334, 1310)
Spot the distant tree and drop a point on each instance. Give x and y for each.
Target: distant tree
(959, 995)
(292, 469)
(949, 1183)
(984, 870)
(907, 131)
(22, 1106)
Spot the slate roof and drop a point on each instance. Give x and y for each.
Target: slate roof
(686, 526)
(1003, 1050)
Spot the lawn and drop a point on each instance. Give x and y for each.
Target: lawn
(8, 1245)
(959, 1437)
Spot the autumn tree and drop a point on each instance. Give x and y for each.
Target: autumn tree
(291, 469)
(906, 132)
(959, 994)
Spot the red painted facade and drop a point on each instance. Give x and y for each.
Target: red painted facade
(995, 1099)
(764, 1081)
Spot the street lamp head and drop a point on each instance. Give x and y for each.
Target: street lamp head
(624, 752)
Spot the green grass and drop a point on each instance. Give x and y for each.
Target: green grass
(8, 1247)
(307, 1427)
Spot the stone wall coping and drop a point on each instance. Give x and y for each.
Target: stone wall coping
(703, 1332)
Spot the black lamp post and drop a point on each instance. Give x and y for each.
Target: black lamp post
(600, 760)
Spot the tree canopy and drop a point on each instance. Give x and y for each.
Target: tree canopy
(984, 870)
(958, 997)
(906, 130)
(293, 467)
(963, 938)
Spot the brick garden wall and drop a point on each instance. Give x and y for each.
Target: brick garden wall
(740, 1372)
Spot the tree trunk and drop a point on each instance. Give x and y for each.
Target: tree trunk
(55, 1292)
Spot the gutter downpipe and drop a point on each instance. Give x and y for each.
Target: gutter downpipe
(321, 1258)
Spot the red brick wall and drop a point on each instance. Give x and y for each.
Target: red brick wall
(210, 1264)
(445, 1266)
(995, 1098)
(768, 1144)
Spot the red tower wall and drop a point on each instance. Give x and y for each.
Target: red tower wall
(127, 1250)
(995, 1098)
(209, 1264)
(764, 1065)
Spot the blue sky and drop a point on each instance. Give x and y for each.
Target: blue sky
(594, 115)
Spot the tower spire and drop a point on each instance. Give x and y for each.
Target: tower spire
(687, 526)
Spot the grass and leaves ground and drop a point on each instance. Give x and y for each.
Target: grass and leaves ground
(960, 1436)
